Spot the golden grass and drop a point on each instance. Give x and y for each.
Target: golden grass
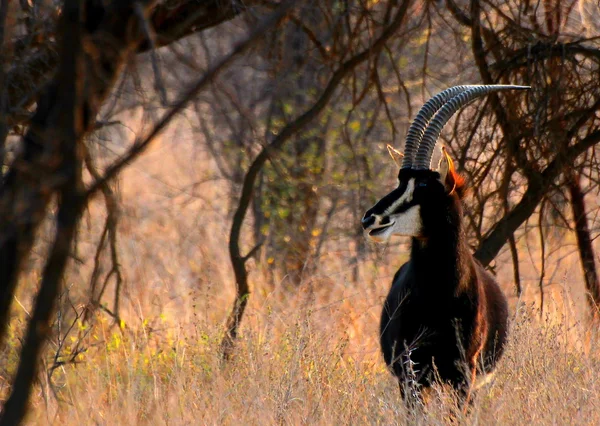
(294, 369)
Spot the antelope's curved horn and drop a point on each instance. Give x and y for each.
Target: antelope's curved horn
(420, 122)
(432, 133)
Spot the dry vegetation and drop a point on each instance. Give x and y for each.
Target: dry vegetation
(291, 369)
(304, 357)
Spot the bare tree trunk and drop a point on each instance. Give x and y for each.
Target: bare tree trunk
(3, 103)
(68, 114)
(242, 294)
(504, 188)
(38, 329)
(25, 194)
(515, 259)
(584, 244)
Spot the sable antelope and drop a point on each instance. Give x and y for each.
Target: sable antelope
(445, 316)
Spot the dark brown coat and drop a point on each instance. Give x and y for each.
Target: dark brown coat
(445, 316)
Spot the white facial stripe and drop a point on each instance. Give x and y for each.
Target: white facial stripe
(405, 198)
(407, 223)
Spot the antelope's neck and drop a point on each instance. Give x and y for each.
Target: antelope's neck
(442, 261)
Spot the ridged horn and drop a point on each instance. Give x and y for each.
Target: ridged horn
(433, 131)
(417, 128)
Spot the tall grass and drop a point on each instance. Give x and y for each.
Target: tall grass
(292, 370)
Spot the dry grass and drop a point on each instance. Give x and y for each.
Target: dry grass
(306, 356)
(292, 370)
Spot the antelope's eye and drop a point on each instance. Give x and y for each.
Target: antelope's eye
(421, 185)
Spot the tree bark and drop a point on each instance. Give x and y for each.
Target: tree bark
(515, 259)
(3, 124)
(69, 124)
(38, 329)
(584, 244)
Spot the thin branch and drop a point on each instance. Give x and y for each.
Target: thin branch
(542, 258)
(110, 232)
(159, 84)
(515, 259)
(253, 251)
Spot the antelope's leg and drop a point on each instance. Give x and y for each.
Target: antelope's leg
(471, 383)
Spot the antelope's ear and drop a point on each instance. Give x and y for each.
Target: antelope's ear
(395, 154)
(444, 164)
(448, 175)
